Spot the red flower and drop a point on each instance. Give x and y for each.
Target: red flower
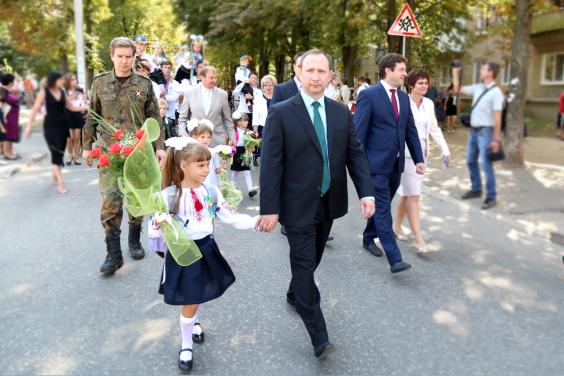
(115, 148)
(127, 150)
(96, 153)
(119, 134)
(139, 134)
(103, 161)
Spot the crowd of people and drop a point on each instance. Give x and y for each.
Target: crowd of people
(314, 129)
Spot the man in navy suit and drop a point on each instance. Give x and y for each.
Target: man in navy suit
(291, 87)
(309, 144)
(384, 125)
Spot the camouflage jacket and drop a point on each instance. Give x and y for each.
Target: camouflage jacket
(116, 103)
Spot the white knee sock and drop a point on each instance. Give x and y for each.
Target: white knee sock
(248, 180)
(197, 328)
(186, 328)
(234, 177)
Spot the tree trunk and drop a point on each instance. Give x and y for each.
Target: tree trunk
(64, 61)
(88, 42)
(519, 66)
(280, 63)
(394, 43)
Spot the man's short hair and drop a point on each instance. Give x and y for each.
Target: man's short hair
(493, 67)
(253, 73)
(206, 69)
(166, 62)
(361, 79)
(297, 57)
(389, 61)
(122, 42)
(317, 51)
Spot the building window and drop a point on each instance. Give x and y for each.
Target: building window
(445, 76)
(552, 69)
(506, 73)
(476, 70)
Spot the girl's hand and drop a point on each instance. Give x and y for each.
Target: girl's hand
(28, 131)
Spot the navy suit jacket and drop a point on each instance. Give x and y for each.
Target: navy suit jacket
(292, 163)
(382, 137)
(284, 91)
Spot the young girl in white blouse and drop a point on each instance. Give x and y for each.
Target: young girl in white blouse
(194, 205)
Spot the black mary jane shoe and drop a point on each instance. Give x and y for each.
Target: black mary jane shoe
(198, 338)
(185, 365)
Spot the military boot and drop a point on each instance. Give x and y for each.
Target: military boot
(114, 259)
(136, 251)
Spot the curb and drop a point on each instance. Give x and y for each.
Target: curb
(550, 236)
(9, 171)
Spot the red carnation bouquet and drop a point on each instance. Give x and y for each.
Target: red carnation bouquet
(113, 159)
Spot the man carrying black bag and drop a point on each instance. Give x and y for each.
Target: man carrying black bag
(484, 141)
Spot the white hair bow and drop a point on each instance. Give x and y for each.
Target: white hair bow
(206, 122)
(191, 125)
(236, 115)
(179, 143)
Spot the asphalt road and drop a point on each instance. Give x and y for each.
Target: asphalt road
(487, 301)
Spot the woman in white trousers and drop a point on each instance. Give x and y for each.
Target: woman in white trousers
(423, 110)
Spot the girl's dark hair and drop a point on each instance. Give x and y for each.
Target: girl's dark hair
(173, 174)
(7, 79)
(415, 75)
(52, 78)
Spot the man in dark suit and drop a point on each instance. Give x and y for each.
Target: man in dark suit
(291, 87)
(309, 143)
(384, 124)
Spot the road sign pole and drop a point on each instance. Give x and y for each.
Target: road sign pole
(403, 46)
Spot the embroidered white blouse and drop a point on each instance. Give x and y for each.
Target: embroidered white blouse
(199, 224)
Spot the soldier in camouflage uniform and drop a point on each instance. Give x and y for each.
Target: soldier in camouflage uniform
(114, 96)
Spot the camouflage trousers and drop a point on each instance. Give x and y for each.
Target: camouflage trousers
(112, 205)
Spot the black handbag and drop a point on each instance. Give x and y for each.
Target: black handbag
(466, 118)
(495, 157)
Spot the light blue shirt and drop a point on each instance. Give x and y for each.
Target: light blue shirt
(309, 106)
(492, 101)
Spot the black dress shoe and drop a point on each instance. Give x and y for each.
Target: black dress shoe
(283, 230)
(489, 203)
(373, 249)
(185, 366)
(325, 350)
(399, 267)
(252, 193)
(291, 300)
(198, 338)
(330, 238)
(471, 194)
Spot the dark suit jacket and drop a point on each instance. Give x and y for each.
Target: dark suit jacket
(383, 138)
(292, 164)
(284, 91)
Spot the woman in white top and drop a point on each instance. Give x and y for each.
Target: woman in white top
(423, 110)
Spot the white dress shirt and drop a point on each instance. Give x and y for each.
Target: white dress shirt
(388, 87)
(206, 98)
(172, 93)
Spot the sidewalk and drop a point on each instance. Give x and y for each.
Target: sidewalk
(530, 199)
(31, 151)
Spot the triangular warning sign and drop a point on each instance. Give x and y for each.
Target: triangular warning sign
(405, 24)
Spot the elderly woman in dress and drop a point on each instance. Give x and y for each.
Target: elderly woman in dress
(423, 110)
(260, 110)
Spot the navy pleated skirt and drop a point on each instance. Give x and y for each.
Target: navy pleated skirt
(204, 280)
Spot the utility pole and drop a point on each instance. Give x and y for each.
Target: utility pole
(79, 36)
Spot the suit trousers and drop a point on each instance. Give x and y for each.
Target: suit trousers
(306, 250)
(380, 224)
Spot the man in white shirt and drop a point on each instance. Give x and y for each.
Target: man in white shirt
(485, 133)
(246, 99)
(170, 90)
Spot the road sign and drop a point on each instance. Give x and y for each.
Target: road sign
(405, 24)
